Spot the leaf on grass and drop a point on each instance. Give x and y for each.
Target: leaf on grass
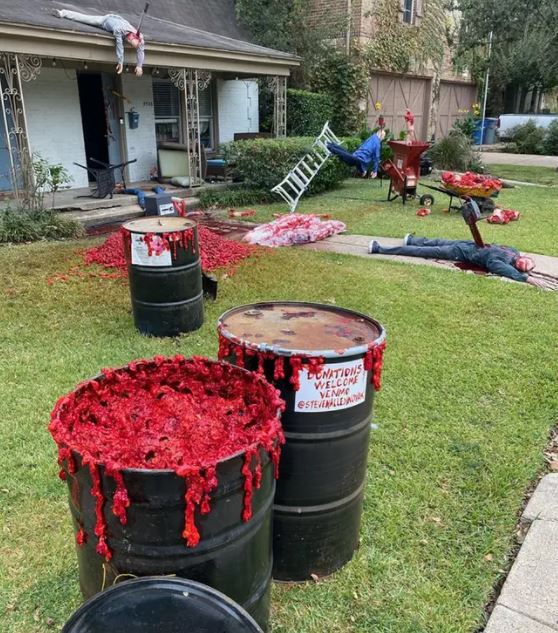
(489, 558)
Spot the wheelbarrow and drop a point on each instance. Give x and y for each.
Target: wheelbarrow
(483, 199)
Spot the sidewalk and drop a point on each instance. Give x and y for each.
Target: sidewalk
(533, 160)
(528, 602)
(358, 245)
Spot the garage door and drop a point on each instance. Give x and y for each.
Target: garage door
(396, 93)
(454, 99)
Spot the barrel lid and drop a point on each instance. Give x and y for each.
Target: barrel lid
(173, 605)
(156, 224)
(291, 328)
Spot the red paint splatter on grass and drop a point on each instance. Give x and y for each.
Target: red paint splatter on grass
(215, 252)
(168, 413)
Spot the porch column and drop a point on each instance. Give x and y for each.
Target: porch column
(189, 81)
(14, 70)
(278, 85)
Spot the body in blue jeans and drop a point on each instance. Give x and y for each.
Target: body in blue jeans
(367, 155)
(498, 260)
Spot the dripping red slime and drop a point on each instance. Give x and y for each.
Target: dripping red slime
(184, 415)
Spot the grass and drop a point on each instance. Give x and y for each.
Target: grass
(526, 173)
(469, 398)
(363, 206)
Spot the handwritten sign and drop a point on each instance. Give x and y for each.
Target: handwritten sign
(141, 256)
(335, 387)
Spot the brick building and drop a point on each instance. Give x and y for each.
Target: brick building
(436, 101)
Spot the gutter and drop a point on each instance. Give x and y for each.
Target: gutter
(46, 42)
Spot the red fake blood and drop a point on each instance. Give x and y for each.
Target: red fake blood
(274, 363)
(373, 362)
(171, 414)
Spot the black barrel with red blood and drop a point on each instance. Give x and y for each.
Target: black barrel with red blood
(209, 523)
(169, 605)
(167, 300)
(321, 486)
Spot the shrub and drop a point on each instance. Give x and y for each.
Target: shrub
(307, 112)
(527, 139)
(240, 196)
(455, 152)
(263, 163)
(18, 226)
(466, 125)
(550, 144)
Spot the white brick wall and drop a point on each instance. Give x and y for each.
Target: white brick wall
(140, 143)
(54, 120)
(238, 108)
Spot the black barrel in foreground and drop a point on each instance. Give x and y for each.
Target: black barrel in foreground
(172, 605)
(326, 362)
(165, 276)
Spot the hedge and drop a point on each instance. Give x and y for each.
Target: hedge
(307, 112)
(264, 163)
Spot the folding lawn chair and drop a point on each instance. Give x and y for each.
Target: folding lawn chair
(104, 177)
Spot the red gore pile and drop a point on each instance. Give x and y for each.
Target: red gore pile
(168, 413)
(215, 251)
(471, 181)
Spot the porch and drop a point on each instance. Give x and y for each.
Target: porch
(75, 113)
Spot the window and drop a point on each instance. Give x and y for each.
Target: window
(168, 105)
(205, 102)
(408, 11)
(166, 100)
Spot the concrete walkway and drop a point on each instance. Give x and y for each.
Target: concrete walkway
(533, 160)
(528, 602)
(546, 266)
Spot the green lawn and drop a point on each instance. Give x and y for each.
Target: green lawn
(526, 173)
(469, 398)
(363, 205)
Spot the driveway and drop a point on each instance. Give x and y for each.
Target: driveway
(534, 160)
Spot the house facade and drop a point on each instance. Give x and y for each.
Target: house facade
(437, 99)
(62, 99)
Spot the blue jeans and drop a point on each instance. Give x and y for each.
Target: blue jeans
(345, 156)
(424, 247)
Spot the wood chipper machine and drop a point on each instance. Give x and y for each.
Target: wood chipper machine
(404, 169)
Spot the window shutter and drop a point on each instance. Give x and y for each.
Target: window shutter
(401, 10)
(418, 12)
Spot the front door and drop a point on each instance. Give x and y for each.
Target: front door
(93, 119)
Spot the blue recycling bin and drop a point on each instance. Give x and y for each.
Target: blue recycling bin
(488, 136)
(478, 132)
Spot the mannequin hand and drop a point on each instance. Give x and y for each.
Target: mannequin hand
(139, 71)
(119, 69)
(535, 281)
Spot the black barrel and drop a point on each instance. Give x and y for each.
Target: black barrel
(169, 605)
(318, 501)
(165, 277)
(233, 556)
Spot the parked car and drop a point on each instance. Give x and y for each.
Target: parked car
(506, 122)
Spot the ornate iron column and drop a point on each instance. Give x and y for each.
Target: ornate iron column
(278, 85)
(14, 70)
(190, 81)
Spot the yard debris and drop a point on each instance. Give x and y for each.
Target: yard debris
(422, 212)
(294, 228)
